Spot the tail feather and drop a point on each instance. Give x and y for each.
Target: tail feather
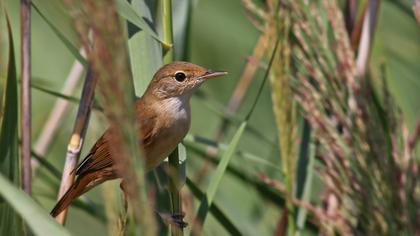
(82, 184)
(72, 193)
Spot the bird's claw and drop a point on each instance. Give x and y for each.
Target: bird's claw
(176, 218)
(178, 215)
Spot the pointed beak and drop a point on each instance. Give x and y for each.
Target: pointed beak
(212, 74)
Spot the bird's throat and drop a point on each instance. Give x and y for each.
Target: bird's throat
(177, 108)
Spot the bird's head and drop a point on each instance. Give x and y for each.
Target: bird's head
(179, 79)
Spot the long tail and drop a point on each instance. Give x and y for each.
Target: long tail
(75, 190)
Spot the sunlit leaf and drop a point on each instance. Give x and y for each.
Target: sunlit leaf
(145, 52)
(128, 12)
(396, 45)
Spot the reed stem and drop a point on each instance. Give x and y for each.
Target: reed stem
(174, 168)
(77, 138)
(25, 12)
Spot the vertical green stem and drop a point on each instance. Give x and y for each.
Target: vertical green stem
(166, 8)
(176, 200)
(175, 196)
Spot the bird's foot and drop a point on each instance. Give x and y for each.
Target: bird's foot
(176, 219)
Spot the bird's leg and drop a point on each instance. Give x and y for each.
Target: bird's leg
(176, 218)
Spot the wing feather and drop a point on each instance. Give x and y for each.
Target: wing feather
(99, 156)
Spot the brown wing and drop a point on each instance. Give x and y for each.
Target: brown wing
(99, 156)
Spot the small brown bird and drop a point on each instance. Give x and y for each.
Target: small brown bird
(163, 119)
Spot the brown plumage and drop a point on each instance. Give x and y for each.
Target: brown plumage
(162, 119)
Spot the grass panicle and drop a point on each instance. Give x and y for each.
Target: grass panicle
(369, 167)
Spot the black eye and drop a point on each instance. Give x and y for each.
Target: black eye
(180, 76)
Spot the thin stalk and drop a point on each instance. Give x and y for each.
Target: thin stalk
(174, 167)
(366, 39)
(350, 13)
(304, 175)
(357, 27)
(25, 12)
(248, 73)
(416, 9)
(77, 137)
(235, 100)
(174, 188)
(166, 9)
(216, 211)
(58, 111)
(208, 198)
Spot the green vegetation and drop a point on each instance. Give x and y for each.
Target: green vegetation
(304, 136)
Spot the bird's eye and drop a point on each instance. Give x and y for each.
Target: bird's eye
(180, 76)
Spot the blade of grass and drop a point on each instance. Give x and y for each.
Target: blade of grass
(70, 46)
(34, 215)
(238, 94)
(82, 202)
(247, 75)
(58, 112)
(47, 165)
(302, 212)
(10, 222)
(127, 12)
(207, 199)
(304, 174)
(215, 210)
(201, 143)
(303, 159)
(218, 108)
(185, 54)
(224, 162)
(267, 73)
(145, 52)
(72, 99)
(55, 94)
(182, 11)
(266, 191)
(264, 188)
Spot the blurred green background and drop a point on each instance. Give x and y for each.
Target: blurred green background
(219, 37)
